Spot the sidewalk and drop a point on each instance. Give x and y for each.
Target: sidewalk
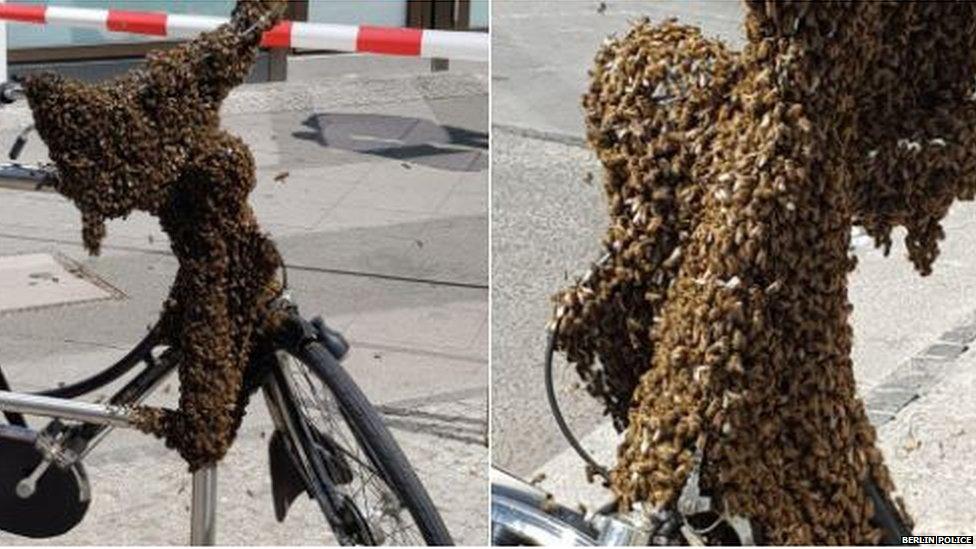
(382, 219)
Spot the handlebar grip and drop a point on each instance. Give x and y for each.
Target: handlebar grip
(10, 92)
(331, 339)
(18, 147)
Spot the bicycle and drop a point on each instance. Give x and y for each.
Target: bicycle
(328, 442)
(522, 514)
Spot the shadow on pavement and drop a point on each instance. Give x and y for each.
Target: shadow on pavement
(400, 138)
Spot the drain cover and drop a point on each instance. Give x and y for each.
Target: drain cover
(45, 280)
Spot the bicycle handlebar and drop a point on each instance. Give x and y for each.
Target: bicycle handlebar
(22, 177)
(11, 92)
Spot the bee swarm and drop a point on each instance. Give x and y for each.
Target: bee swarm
(150, 140)
(720, 320)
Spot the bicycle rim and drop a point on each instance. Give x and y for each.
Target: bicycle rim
(376, 503)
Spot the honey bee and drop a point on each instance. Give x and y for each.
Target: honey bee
(762, 193)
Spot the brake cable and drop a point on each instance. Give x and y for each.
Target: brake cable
(557, 414)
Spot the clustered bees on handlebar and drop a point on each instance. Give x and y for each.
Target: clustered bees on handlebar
(150, 140)
(721, 319)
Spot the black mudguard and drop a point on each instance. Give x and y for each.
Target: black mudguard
(286, 481)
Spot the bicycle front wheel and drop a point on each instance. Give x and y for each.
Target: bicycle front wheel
(345, 435)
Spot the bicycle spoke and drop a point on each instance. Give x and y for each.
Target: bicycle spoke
(386, 516)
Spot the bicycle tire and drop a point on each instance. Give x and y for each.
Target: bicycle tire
(372, 434)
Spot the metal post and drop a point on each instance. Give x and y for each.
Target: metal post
(203, 518)
(277, 64)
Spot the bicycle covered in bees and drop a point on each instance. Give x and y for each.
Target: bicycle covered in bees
(150, 140)
(329, 443)
(522, 514)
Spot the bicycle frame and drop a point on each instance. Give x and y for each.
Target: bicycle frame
(65, 445)
(98, 419)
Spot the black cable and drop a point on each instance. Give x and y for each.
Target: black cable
(886, 517)
(558, 415)
(110, 374)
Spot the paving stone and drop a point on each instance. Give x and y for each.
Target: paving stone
(890, 397)
(961, 334)
(944, 350)
(45, 280)
(929, 446)
(879, 417)
(908, 378)
(929, 367)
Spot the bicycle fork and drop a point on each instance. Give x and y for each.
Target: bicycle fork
(281, 404)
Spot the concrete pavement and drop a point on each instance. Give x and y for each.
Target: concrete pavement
(547, 222)
(542, 50)
(382, 219)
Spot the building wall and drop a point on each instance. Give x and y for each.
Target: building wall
(479, 14)
(389, 13)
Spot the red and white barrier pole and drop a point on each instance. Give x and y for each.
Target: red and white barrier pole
(3, 48)
(471, 46)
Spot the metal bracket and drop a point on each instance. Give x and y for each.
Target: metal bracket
(691, 502)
